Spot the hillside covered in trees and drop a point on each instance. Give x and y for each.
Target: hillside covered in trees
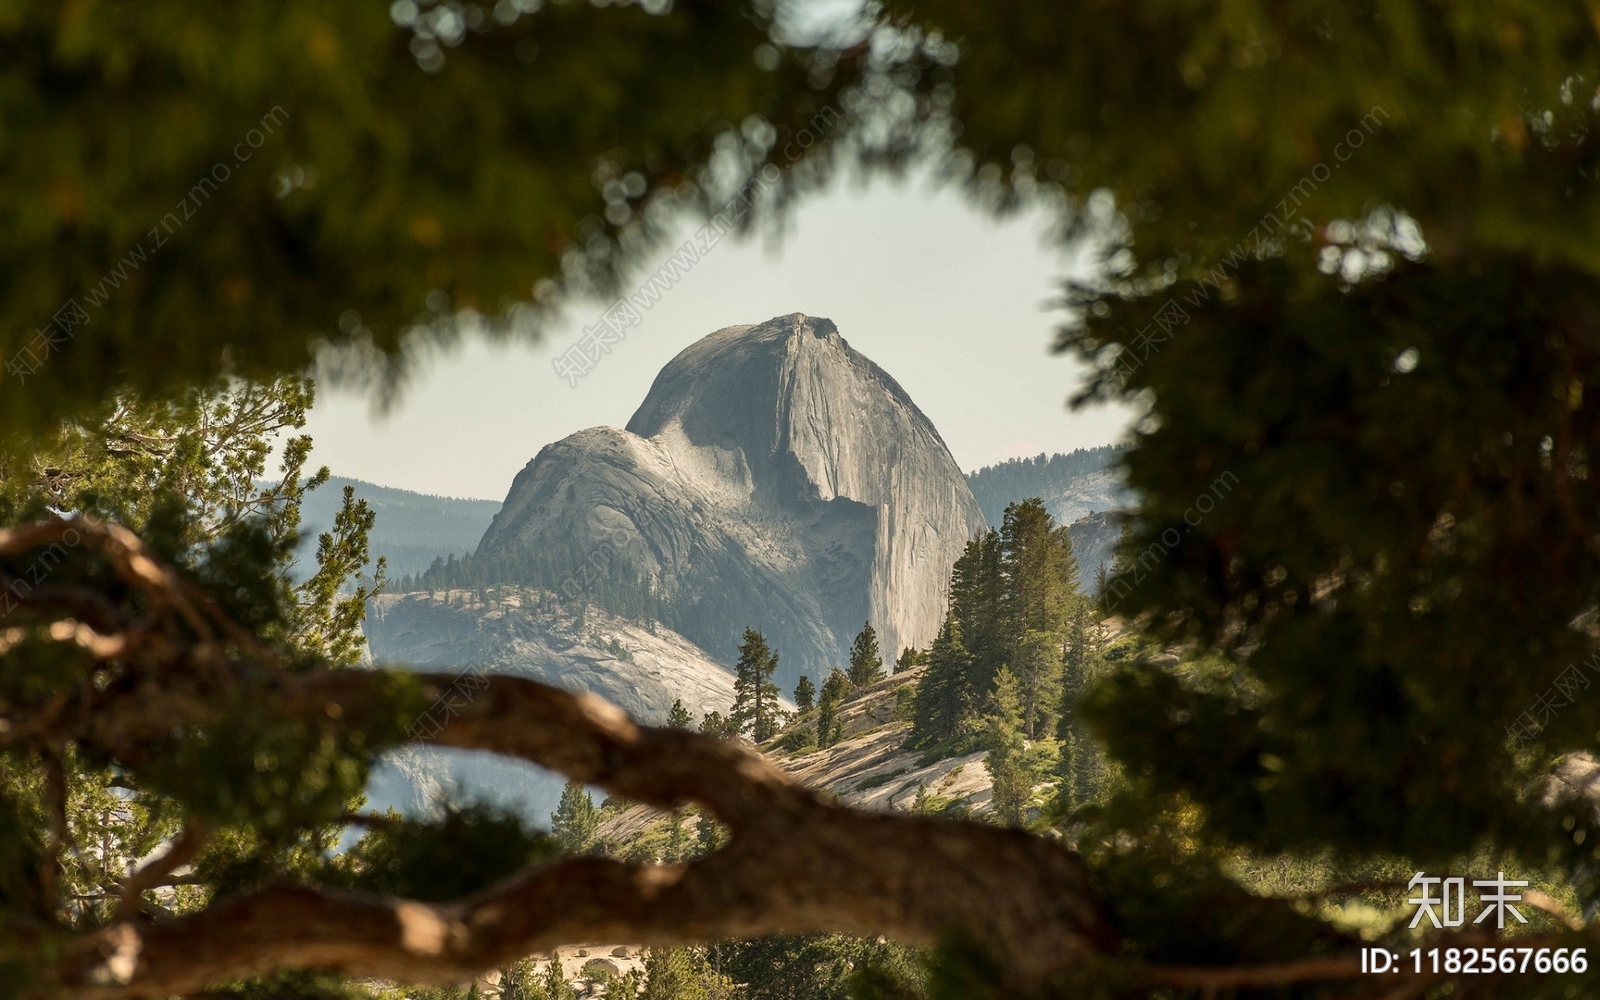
(411, 529)
(1072, 485)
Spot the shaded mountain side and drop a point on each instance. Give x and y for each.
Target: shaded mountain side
(1072, 486)
(638, 666)
(412, 529)
(1094, 544)
(773, 477)
(417, 780)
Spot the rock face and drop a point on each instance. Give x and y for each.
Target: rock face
(1072, 485)
(630, 664)
(773, 477)
(1094, 543)
(1092, 493)
(625, 662)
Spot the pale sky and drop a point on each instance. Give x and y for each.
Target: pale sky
(949, 302)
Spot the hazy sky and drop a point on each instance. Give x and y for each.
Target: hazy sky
(949, 302)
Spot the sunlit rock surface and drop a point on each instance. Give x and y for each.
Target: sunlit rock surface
(773, 477)
(637, 666)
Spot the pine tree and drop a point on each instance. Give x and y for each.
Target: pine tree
(1039, 571)
(709, 834)
(678, 717)
(520, 981)
(755, 698)
(673, 974)
(910, 657)
(684, 974)
(1006, 761)
(827, 722)
(804, 694)
(677, 840)
(1012, 594)
(978, 599)
(630, 986)
(1040, 597)
(1038, 669)
(866, 663)
(1081, 763)
(919, 805)
(556, 986)
(945, 694)
(829, 727)
(714, 724)
(576, 821)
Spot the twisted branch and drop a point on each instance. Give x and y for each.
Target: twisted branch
(184, 849)
(795, 864)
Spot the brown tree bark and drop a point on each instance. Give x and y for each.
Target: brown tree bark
(796, 863)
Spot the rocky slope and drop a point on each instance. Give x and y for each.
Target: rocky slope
(1092, 493)
(632, 665)
(525, 632)
(869, 767)
(773, 477)
(1094, 542)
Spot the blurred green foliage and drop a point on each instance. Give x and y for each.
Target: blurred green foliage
(78, 817)
(1351, 251)
(218, 185)
(468, 848)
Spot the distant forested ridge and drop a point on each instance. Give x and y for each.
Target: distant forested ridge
(412, 529)
(1071, 485)
(563, 573)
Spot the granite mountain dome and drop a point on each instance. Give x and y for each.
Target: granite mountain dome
(773, 477)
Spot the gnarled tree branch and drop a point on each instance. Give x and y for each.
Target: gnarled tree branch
(796, 863)
(184, 849)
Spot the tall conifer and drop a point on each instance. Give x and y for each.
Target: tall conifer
(866, 663)
(755, 698)
(1006, 761)
(678, 717)
(805, 694)
(944, 694)
(576, 821)
(828, 724)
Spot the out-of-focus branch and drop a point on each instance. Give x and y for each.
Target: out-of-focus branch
(795, 864)
(184, 848)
